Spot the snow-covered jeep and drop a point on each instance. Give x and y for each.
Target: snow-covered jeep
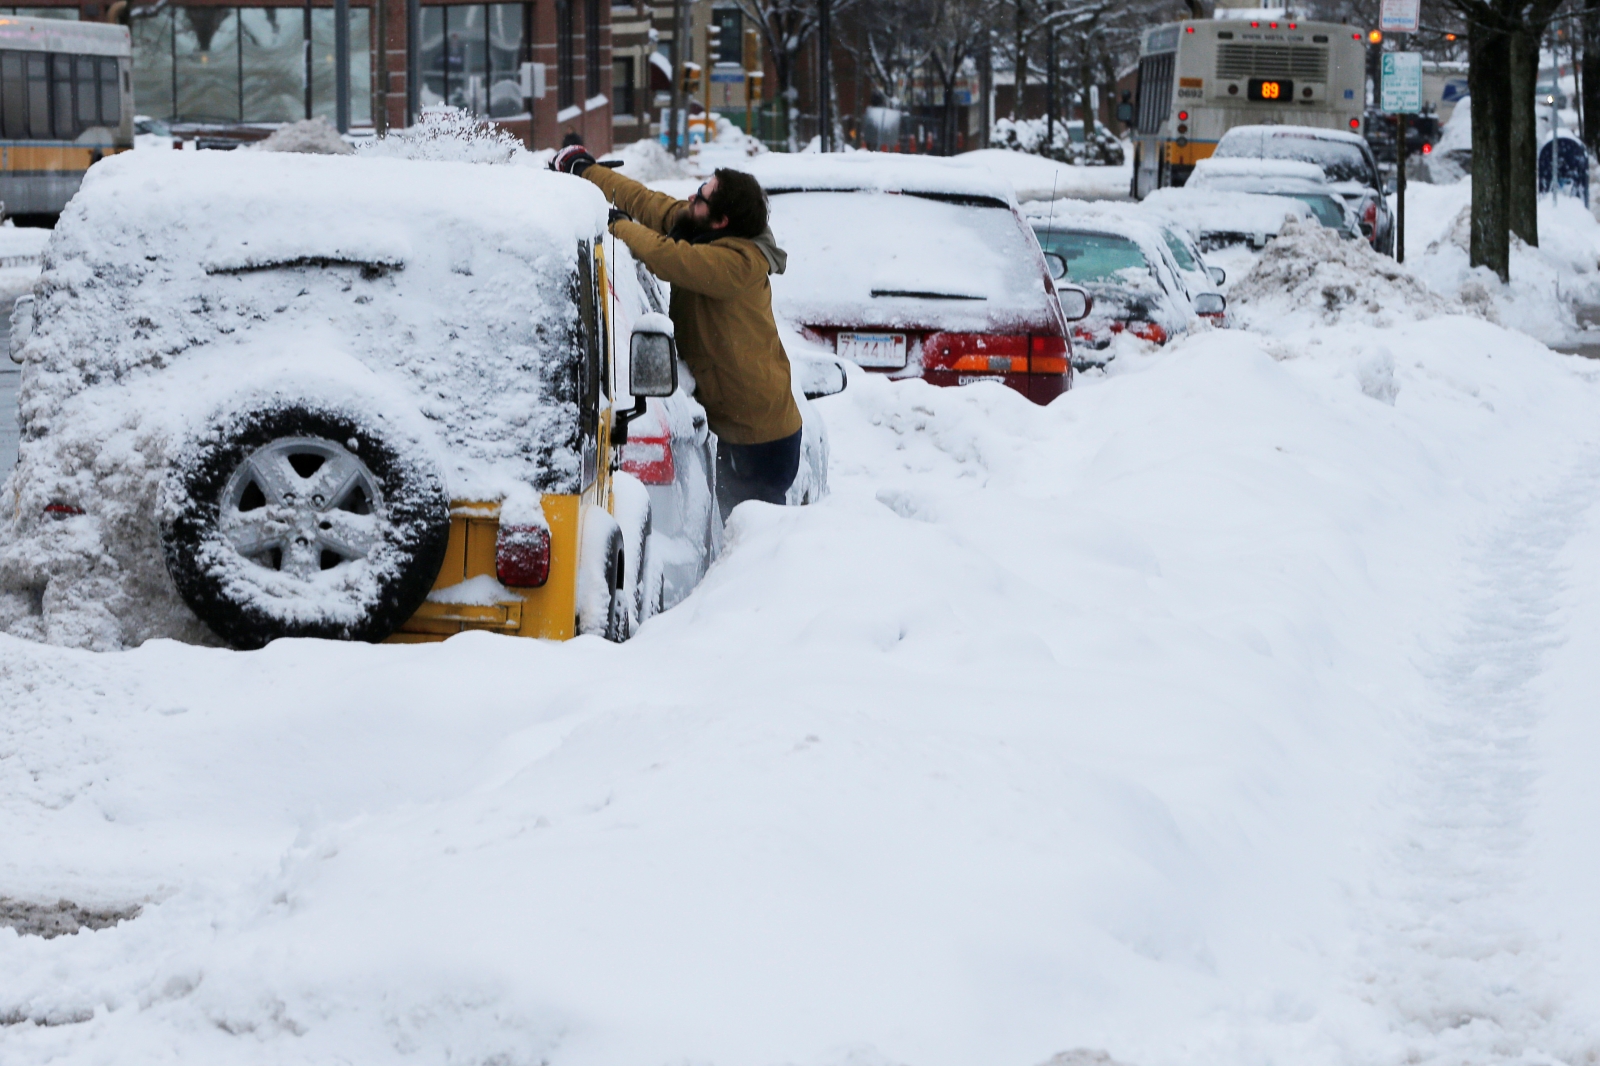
(273, 395)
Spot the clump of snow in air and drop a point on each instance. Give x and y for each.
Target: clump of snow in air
(313, 136)
(449, 134)
(426, 299)
(1135, 729)
(1310, 274)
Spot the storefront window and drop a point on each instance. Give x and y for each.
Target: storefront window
(206, 61)
(323, 61)
(272, 63)
(470, 58)
(152, 65)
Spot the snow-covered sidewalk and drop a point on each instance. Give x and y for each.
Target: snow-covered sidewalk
(1090, 726)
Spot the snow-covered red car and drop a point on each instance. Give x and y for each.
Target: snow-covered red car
(273, 395)
(916, 267)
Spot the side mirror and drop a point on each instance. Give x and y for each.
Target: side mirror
(1366, 230)
(1210, 303)
(1217, 275)
(653, 358)
(820, 377)
(21, 325)
(1076, 303)
(1057, 265)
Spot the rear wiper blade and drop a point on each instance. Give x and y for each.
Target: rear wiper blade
(916, 295)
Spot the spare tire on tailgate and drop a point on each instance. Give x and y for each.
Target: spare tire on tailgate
(303, 519)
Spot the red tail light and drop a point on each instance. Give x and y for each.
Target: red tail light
(1427, 149)
(1047, 354)
(61, 510)
(649, 459)
(1355, 123)
(1149, 331)
(1370, 215)
(522, 556)
(993, 353)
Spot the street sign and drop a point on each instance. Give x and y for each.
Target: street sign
(1402, 83)
(1399, 16)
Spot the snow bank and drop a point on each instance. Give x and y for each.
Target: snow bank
(1075, 727)
(315, 136)
(1312, 275)
(1554, 292)
(425, 296)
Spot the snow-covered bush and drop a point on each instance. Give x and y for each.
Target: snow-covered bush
(1100, 148)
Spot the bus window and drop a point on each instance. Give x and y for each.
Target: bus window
(88, 96)
(61, 75)
(13, 97)
(38, 97)
(110, 98)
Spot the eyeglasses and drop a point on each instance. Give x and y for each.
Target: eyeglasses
(700, 196)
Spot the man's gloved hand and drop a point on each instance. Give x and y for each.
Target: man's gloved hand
(573, 159)
(618, 215)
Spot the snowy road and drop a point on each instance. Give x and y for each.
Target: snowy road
(1200, 718)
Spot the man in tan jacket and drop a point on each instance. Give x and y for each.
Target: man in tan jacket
(716, 251)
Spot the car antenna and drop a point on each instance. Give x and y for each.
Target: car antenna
(1050, 226)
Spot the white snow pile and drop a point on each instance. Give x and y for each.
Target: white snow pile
(429, 300)
(1034, 177)
(648, 161)
(1201, 718)
(313, 136)
(1554, 291)
(451, 135)
(1310, 274)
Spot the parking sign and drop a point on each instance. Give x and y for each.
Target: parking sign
(1402, 83)
(1399, 16)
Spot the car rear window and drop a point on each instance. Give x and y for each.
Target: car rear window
(1339, 160)
(1095, 256)
(1328, 209)
(884, 257)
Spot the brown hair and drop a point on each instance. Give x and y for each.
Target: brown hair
(740, 200)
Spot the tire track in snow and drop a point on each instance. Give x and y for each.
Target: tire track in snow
(1461, 975)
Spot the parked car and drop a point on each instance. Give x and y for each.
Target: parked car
(1221, 219)
(1280, 177)
(1345, 159)
(915, 267)
(369, 399)
(1198, 277)
(1125, 268)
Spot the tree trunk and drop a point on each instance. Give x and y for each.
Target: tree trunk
(1522, 178)
(1488, 60)
(1019, 79)
(985, 89)
(1086, 87)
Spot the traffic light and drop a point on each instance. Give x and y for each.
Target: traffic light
(691, 78)
(713, 42)
(1375, 37)
(752, 50)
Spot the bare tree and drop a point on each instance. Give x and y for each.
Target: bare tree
(786, 26)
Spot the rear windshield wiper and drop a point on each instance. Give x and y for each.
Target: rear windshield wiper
(911, 294)
(370, 268)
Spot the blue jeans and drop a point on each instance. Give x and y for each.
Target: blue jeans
(756, 471)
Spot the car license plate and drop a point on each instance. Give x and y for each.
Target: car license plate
(879, 351)
(973, 379)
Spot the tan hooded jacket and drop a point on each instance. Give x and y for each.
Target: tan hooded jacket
(721, 309)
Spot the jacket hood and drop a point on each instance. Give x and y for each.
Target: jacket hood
(777, 258)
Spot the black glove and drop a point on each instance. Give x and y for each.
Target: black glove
(618, 215)
(574, 160)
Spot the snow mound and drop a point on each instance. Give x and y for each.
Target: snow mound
(1311, 271)
(313, 136)
(649, 161)
(451, 135)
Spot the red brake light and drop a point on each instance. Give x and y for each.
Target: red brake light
(1255, 25)
(62, 510)
(1183, 116)
(1370, 215)
(1272, 25)
(1188, 29)
(1047, 354)
(1294, 26)
(1149, 331)
(649, 459)
(1427, 149)
(522, 556)
(993, 353)
(1355, 123)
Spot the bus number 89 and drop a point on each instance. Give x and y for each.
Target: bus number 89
(1271, 90)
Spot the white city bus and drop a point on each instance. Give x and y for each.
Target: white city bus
(65, 102)
(1200, 78)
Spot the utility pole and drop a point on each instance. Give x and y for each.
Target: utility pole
(413, 61)
(1052, 79)
(308, 57)
(825, 72)
(341, 64)
(674, 142)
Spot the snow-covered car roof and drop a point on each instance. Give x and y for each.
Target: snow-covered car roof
(1232, 171)
(1158, 295)
(878, 172)
(1320, 133)
(1218, 215)
(176, 282)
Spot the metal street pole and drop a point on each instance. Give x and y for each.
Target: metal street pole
(380, 102)
(1052, 82)
(341, 64)
(825, 72)
(674, 144)
(413, 60)
(1400, 197)
(308, 57)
